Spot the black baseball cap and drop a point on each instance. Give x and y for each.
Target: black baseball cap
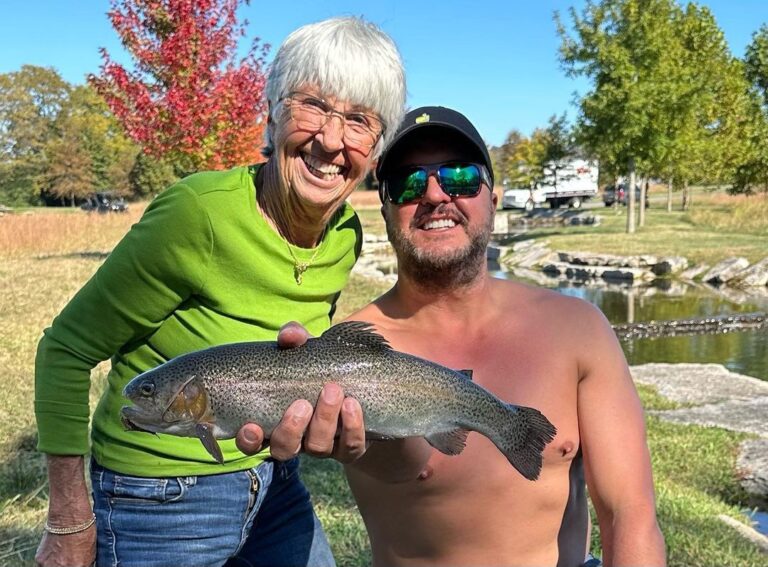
(440, 117)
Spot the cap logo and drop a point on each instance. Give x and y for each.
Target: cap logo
(421, 119)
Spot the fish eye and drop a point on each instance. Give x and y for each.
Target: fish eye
(147, 388)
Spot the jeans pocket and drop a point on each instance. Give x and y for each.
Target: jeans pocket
(145, 490)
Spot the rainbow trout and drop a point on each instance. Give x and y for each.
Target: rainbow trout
(211, 393)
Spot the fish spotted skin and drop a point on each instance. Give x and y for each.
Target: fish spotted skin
(212, 393)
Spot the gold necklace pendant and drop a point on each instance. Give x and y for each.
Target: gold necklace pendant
(298, 270)
(300, 267)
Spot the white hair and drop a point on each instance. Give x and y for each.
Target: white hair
(348, 58)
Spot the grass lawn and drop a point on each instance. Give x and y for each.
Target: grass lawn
(46, 256)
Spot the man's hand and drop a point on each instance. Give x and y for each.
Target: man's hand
(312, 429)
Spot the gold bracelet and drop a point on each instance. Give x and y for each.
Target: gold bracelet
(71, 530)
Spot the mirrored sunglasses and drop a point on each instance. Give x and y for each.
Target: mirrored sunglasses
(456, 179)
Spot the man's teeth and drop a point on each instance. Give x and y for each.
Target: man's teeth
(321, 168)
(441, 223)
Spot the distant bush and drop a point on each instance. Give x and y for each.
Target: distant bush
(737, 213)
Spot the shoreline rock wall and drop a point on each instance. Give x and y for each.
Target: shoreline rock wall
(732, 272)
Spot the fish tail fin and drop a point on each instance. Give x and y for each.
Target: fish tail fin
(523, 437)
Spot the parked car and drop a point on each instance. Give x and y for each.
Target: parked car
(104, 203)
(611, 195)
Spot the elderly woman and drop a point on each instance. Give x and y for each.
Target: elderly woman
(219, 257)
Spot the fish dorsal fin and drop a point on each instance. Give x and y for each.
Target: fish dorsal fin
(467, 373)
(356, 334)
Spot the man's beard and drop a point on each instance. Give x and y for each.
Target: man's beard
(444, 269)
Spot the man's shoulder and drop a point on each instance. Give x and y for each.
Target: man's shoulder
(525, 300)
(371, 313)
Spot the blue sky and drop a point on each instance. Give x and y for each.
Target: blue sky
(494, 60)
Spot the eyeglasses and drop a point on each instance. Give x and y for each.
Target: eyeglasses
(312, 113)
(456, 179)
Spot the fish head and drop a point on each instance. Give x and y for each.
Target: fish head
(164, 403)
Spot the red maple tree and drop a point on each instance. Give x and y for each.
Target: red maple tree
(188, 99)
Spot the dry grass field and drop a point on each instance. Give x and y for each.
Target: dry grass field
(45, 256)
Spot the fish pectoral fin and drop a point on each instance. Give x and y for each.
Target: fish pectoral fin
(205, 434)
(449, 442)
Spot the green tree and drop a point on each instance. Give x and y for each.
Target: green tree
(149, 176)
(558, 139)
(623, 47)
(711, 105)
(505, 165)
(521, 159)
(752, 172)
(69, 175)
(87, 126)
(756, 60)
(30, 102)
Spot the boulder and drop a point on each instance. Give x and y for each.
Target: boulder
(496, 251)
(691, 273)
(725, 271)
(670, 265)
(554, 268)
(752, 463)
(754, 275)
(590, 259)
(501, 223)
(529, 256)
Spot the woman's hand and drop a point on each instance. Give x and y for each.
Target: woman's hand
(313, 430)
(69, 505)
(71, 550)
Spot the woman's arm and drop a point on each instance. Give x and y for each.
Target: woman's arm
(69, 506)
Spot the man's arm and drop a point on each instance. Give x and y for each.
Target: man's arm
(616, 457)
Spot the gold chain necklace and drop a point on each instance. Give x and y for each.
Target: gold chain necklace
(300, 267)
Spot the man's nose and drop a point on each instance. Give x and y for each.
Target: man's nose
(434, 193)
(331, 136)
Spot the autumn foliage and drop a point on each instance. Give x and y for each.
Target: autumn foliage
(188, 99)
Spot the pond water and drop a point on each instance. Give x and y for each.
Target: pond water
(745, 352)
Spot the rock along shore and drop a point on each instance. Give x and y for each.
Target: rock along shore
(713, 396)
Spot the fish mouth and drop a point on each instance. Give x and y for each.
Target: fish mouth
(131, 418)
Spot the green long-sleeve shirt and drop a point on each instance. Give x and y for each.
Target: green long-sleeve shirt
(202, 267)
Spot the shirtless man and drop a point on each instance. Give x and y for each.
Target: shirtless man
(529, 346)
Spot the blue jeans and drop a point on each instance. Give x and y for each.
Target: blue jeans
(261, 517)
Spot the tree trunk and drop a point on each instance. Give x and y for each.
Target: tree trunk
(641, 204)
(631, 197)
(669, 195)
(686, 196)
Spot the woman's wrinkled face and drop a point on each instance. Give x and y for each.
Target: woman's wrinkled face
(320, 167)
